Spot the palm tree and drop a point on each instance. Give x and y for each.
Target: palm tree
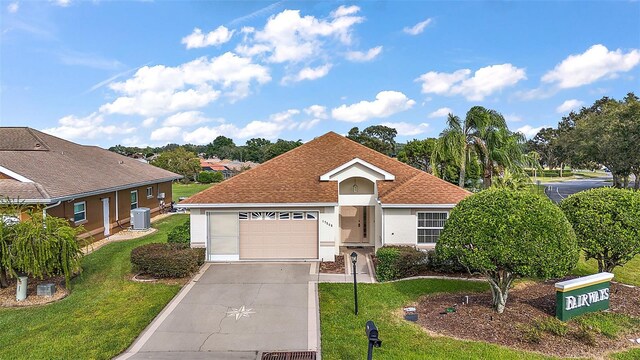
(461, 139)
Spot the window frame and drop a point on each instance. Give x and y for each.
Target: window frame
(418, 227)
(149, 192)
(300, 213)
(84, 211)
(137, 199)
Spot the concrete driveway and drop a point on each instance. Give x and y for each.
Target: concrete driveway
(236, 311)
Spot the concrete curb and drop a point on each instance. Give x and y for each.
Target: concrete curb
(155, 324)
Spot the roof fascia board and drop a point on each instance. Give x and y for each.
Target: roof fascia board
(96, 192)
(327, 177)
(14, 175)
(415, 206)
(253, 205)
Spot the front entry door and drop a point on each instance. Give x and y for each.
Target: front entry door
(352, 224)
(105, 216)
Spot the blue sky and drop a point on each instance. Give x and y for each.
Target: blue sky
(154, 72)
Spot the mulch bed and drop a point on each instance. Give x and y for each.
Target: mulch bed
(8, 295)
(527, 303)
(333, 267)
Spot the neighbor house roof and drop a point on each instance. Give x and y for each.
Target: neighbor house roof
(39, 167)
(211, 165)
(294, 177)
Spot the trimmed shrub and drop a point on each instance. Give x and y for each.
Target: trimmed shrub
(607, 223)
(397, 262)
(205, 177)
(180, 234)
(166, 260)
(386, 265)
(444, 265)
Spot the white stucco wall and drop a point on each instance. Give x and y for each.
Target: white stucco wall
(198, 228)
(400, 227)
(327, 225)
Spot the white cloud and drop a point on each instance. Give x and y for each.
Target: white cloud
(167, 133)
(290, 37)
(286, 115)
(90, 127)
(206, 134)
(148, 122)
(158, 90)
(407, 129)
(308, 73)
(62, 3)
(386, 104)
(317, 111)
(13, 7)
(133, 141)
(186, 118)
(568, 105)
(594, 64)
(362, 56)
(513, 118)
(417, 28)
(484, 82)
(530, 131)
(306, 125)
(442, 112)
(88, 60)
(197, 39)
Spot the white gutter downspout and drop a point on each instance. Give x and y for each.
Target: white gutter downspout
(44, 211)
(117, 206)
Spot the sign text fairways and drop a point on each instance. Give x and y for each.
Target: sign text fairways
(586, 294)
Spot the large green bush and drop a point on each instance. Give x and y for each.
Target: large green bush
(180, 234)
(505, 234)
(607, 224)
(166, 260)
(397, 262)
(209, 177)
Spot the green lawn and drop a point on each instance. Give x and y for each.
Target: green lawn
(101, 317)
(186, 190)
(628, 274)
(343, 334)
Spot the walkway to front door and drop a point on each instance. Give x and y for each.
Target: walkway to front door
(235, 311)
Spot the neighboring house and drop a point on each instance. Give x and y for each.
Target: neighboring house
(310, 201)
(215, 166)
(87, 185)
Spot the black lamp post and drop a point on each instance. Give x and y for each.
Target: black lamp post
(354, 259)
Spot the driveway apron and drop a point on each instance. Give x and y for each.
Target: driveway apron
(235, 311)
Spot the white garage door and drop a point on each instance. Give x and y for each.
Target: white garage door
(278, 235)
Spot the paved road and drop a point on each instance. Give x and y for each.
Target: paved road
(560, 190)
(235, 311)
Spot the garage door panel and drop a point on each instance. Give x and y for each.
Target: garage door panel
(279, 239)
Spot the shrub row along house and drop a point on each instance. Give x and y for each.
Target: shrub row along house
(87, 185)
(310, 201)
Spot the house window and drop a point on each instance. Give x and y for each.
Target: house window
(298, 216)
(80, 211)
(134, 199)
(256, 216)
(243, 216)
(284, 216)
(270, 216)
(149, 192)
(312, 215)
(430, 226)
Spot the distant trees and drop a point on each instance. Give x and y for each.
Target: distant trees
(378, 137)
(418, 153)
(180, 162)
(223, 147)
(256, 150)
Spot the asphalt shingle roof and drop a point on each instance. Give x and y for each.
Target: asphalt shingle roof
(294, 177)
(60, 168)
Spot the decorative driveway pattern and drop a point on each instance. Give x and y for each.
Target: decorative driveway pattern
(235, 311)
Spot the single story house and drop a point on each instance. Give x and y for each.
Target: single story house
(216, 166)
(307, 203)
(87, 185)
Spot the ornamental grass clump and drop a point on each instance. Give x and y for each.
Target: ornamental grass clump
(506, 234)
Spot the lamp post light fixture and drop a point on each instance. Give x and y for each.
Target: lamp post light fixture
(354, 260)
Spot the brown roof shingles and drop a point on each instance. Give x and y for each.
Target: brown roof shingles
(63, 168)
(294, 177)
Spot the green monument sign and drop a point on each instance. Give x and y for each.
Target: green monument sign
(582, 295)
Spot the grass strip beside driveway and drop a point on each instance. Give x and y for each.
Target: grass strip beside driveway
(101, 317)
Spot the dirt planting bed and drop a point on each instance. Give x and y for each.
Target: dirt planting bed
(8, 295)
(529, 323)
(333, 267)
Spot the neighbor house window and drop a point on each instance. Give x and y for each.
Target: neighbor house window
(149, 192)
(80, 211)
(134, 199)
(430, 225)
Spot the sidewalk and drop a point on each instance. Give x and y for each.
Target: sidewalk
(364, 268)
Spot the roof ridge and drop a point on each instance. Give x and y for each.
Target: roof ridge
(42, 190)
